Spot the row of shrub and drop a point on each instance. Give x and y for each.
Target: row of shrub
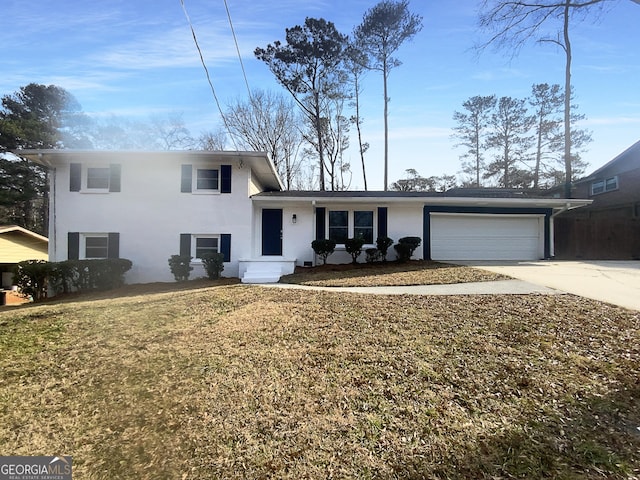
(38, 278)
(180, 266)
(404, 248)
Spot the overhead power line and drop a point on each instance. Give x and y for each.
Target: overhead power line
(235, 40)
(206, 70)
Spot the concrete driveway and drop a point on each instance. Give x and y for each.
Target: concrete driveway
(615, 281)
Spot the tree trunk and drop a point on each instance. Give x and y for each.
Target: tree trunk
(567, 104)
(386, 127)
(364, 173)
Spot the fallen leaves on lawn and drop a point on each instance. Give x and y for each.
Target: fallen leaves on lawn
(249, 382)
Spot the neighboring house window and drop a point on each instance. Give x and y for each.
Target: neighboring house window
(204, 245)
(207, 179)
(363, 225)
(606, 185)
(338, 225)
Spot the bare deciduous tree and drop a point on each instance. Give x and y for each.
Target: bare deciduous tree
(268, 122)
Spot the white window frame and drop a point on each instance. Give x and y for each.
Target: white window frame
(85, 178)
(83, 245)
(195, 188)
(351, 224)
(605, 185)
(194, 245)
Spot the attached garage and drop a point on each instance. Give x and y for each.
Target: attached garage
(486, 237)
(487, 233)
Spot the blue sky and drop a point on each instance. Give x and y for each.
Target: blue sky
(137, 58)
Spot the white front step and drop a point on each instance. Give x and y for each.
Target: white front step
(265, 270)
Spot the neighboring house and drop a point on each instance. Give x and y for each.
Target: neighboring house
(147, 206)
(16, 245)
(609, 228)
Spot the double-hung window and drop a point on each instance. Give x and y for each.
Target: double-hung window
(345, 224)
(363, 225)
(339, 225)
(205, 245)
(96, 246)
(94, 179)
(98, 178)
(207, 179)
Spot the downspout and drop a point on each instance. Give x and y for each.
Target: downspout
(552, 246)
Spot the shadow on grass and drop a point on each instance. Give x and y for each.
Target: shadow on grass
(583, 438)
(129, 291)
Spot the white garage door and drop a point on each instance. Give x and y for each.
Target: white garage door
(486, 237)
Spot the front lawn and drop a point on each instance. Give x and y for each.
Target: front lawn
(248, 382)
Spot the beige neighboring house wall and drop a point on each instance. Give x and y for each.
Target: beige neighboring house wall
(16, 245)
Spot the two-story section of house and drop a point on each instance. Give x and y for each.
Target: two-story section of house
(609, 228)
(147, 206)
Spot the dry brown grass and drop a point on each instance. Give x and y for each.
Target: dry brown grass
(248, 382)
(415, 272)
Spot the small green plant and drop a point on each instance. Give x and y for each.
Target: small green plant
(213, 264)
(353, 246)
(383, 243)
(180, 266)
(406, 246)
(323, 248)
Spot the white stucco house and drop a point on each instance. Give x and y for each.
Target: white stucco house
(147, 206)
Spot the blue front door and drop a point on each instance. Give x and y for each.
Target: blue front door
(272, 231)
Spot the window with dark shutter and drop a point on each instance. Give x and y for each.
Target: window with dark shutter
(382, 221)
(225, 246)
(185, 244)
(321, 223)
(75, 177)
(186, 178)
(225, 179)
(73, 245)
(114, 177)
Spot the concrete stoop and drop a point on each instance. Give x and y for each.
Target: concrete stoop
(265, 270)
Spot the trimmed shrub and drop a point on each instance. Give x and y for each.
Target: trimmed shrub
(406, 246)
(213, 264)
(323, 248)
(180, 266)
(353, 246)
(383, 244)
(32, 277)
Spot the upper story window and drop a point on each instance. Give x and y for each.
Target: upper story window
(98, 179)
(606, 185)
(194, 179)
(207, 179)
